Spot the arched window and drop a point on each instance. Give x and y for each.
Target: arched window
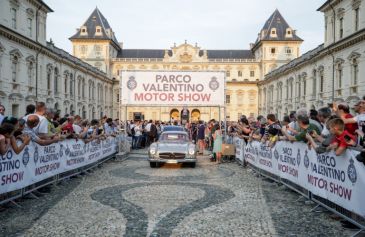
(339, 73)
(83, 88)
(30, 73)
(14, 68)
(90, 89)
(65, 81)
(321, 80)
(71, 85)
(83, 112)
(79, 86)
(291, 87)
(72, 110)
(314, 77)
(93, 113)
(56, 107)
(49, 77)
(30, 70)
(355, 71)
(56, 80)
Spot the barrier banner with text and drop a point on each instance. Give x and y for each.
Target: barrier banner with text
(239, 145)
(158, 88)
(36, 163)
(340, 179)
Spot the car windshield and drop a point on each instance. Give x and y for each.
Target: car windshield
(173, 128)
(173, 137)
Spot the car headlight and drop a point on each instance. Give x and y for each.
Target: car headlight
(191, 151)
(153, 151)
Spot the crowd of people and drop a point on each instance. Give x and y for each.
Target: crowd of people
(45, 126)
(328, 128)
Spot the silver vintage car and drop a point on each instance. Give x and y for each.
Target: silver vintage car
(172, 147)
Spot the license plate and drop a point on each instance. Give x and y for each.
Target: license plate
(171, 161)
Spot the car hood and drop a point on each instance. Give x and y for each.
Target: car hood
(174, 147)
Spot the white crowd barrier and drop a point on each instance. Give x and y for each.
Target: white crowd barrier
(36, 163)
(338, 179)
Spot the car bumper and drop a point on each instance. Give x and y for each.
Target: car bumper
(175, 161)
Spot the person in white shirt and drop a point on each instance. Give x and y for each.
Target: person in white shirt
(108, 127)
(138, 134)
(42, 128)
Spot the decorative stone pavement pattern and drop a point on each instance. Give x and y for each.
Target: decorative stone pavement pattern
(130, 199)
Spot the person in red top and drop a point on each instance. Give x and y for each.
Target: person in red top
(343, 111)
(67, 127)
(342, 137)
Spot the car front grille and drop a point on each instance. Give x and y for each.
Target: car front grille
(172, 156)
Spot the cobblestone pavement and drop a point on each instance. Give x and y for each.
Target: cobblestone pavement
(130, 199)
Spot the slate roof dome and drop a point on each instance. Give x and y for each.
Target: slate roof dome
(96, 27)
(277, 29)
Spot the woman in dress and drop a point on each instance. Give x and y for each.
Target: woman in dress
(217, 148)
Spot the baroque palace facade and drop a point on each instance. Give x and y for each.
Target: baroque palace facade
(32, 69)
(332, 72)
(276, 45)
(271, 76)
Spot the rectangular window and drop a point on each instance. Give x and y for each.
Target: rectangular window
(341, 27)
(288, 50)
(228, 73)
(273, 50)
(240, 73)
(228, 99)
(83, 49)
(356, 19)
(13, 17)
(252, 73)
(117, 97)
(29, 22)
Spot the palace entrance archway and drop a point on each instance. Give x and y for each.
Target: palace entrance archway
(195, 115)
(174, 114)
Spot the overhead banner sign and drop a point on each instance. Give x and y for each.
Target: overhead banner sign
(172, 88)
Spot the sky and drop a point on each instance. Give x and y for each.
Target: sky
(212, 24)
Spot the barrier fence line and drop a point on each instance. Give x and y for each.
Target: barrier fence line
(334, 182)
(37, 166)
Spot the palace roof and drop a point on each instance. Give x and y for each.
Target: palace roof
(159, 53)
(96, 19)
(276, 23)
